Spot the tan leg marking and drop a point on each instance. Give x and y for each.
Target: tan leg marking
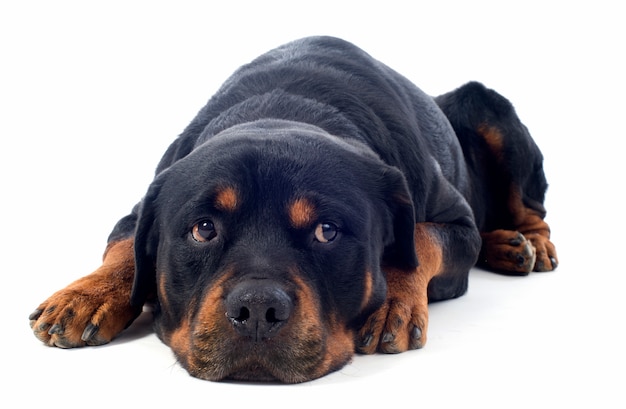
(401, 323)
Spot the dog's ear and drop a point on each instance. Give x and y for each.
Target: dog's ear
(146, 244)
(400, 244)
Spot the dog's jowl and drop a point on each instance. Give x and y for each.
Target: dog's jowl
(312, 209)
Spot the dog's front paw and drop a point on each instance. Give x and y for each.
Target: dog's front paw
(88, 312)
(401, 323)
(93, 309)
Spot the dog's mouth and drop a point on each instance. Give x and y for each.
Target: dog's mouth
(260, 331)
(302, 352)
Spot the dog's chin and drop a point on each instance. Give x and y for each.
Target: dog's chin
(254, 373)
(257, 372)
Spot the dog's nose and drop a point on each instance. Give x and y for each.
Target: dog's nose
(258, 308)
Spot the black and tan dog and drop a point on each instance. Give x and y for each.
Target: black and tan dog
(312, 209)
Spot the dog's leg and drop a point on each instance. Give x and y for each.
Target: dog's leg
(518, 238)
(508, 186)
(93, 309)
(445, 252)
(523, 248)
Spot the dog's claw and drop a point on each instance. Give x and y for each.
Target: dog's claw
(516, 241)
(366, 340)
(416, 333)
(56, 329)
(388, 337)
(555, 263)
(89, 332)
(35, 315)
(416, 341)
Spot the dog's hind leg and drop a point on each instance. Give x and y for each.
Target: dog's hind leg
(508, 182)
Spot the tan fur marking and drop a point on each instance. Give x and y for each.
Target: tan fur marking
(493, 138)
(429, 252)
(227, 199)
(340, 340)
(301, 213)
(367, 289)
(339, 348)
(308, 309)
(211, 305)
(210, 320)
(162, 292)
(180, 341)
(525, 219)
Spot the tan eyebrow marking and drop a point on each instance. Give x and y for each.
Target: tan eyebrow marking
(227, 199)
(301, 213)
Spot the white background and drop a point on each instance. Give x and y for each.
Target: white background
(91, 95)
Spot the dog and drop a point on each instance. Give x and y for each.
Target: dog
(311, 210)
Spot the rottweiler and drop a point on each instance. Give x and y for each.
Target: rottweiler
(311, 210)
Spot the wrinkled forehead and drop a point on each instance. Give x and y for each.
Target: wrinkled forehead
(275, 148)
(270, 128)
(291, 133)
(269, 161)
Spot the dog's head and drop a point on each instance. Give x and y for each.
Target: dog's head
(263, 248)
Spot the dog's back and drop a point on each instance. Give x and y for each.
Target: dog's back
(330, 83)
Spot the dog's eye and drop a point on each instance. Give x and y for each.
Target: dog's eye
(326, 232)
(203, 231)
